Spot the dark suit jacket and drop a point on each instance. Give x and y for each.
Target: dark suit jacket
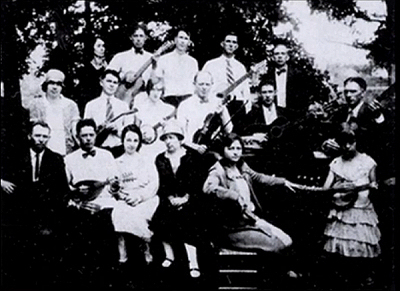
(43, 202)
(370, 134)
(300, 88)
(255, 121)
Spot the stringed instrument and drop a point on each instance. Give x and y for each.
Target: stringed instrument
(281, 123)
(212, 122)
(133, 80)
(104, 130)
(95, 188)
(149, 132)
(342, 199)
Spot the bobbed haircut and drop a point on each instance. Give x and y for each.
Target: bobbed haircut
(133, 128)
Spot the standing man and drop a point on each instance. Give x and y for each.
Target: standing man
(105, 108)
(362, 116)
(225, 70)
(293, 87)
(127, 63)
(59, 112)
(177, 69)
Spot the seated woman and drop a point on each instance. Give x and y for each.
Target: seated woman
(230, 184)
(176, 219)
(136, 194)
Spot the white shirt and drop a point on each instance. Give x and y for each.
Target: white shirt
(33, 163)
(269, 114)
(217, 68)
(100, 167)
(150, 113)
(192, 112)
(130, 61)
(178, 72)
(97, 108)
(281, 80)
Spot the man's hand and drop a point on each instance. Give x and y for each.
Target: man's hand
(7, 186)
(201, 148)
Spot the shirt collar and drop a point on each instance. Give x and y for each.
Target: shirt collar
(33, 154)
(105, 96)
(356, 109)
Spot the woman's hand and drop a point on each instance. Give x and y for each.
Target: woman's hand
(344, 186)
(133, 199)
(291, 186)
(179, 201)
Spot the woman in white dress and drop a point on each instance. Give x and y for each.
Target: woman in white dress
(136, 194)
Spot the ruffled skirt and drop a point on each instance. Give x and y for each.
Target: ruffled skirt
(353, 232)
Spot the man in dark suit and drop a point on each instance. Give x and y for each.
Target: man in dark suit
(363, 116)
(265, 113)
(39, 197)
(294, 87)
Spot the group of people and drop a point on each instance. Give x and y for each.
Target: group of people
(152, 147)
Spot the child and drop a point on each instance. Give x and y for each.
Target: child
(352, 235)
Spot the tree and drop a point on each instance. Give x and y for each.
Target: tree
(382, 48)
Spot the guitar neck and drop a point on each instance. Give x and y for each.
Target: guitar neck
(142, 69)
(235, 84)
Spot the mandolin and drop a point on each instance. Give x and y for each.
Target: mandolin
(95, 187)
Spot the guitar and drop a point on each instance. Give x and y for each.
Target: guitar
(134, 81)
(104, 130)
(206, 133)
(149, 132)
(281, 123)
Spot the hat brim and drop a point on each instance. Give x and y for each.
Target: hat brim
(179, 135)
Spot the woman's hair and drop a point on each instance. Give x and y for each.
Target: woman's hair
(346, 136)
(226, 141)
(134, 128)
(152, 82)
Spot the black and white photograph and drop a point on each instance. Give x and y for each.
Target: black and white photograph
(198, 145)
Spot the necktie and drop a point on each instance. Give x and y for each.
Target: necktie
(37, 167)
(229, 72)
(109, 110)
(89, 153)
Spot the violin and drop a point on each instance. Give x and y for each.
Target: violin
(213, 121)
